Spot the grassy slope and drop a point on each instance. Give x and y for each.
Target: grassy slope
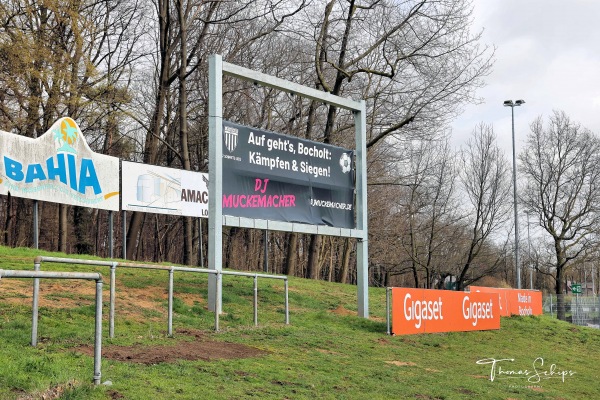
(325, 353)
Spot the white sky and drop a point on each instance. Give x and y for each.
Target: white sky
(548, 54)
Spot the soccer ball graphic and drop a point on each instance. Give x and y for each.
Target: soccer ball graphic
(345, 163)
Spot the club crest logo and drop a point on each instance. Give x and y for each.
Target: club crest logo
(230, 135)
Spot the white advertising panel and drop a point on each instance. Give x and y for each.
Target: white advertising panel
(162, 190)
(58, 167)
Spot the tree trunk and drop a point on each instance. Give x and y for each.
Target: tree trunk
(313, 257)
(82, 228)
(343, 275)
(292, 254)
(8, 220)
(188, 245)
(62, 227)
(560, 296)
(151, 143)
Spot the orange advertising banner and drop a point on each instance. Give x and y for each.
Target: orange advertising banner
(515, 301)
(427, 311)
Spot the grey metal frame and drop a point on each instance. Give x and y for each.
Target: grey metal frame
(171, 269)
(388, 305)
(217, 68)
(36, 275)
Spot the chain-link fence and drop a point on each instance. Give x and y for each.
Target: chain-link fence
(579, 310)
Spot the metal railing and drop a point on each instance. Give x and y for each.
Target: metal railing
(37, 275)
(579, 310)
(171, 269)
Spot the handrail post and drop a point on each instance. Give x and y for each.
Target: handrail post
(170, 306)
(387, 309)
(255, 300)
(111, 310)
(35, 305)
(287, 303)
(98, 340)
(217, 299)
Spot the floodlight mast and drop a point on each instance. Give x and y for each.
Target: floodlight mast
(512, 105)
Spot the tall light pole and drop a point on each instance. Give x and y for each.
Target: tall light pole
(529, 262)
(512, 105)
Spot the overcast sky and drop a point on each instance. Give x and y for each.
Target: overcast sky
(548, 54)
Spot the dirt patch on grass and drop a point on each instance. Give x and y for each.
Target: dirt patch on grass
(340, 310)
(129, 302)
(55, 392)
(200, 348)
(480, 376)
(402, 363)
(324, 351)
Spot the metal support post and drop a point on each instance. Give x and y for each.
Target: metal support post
(36, 229)
(218, 299)
(124, 235)
(170, 306)
(98, 331)
(111, 310)
(387, 309)
(111, 240)
(255, 300)
(362, 248)
(200, 244)
(215, 184)
(287, 303)
(35, 305)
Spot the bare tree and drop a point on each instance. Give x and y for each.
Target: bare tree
(485, 181)
(420, 53)
(417, 65)
(186, 33)
(561, 163)
(64, 58)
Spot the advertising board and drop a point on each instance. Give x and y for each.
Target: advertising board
(162, 190)
(429, 311)
(58, 167)
(277, 177)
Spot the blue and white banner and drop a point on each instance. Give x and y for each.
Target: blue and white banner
(58, 167)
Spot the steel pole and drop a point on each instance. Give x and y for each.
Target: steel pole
(255, 300)
(111, 240)
(387, 309)
(35, 305)
(217, 299)
(124, 235)
(514, 155)
(287, 303)
(170, 311)
(111, 310)
(529, 255)
(200, 245)
(36, 229)
(98, 334)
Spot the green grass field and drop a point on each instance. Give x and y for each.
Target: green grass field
(326, 353)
